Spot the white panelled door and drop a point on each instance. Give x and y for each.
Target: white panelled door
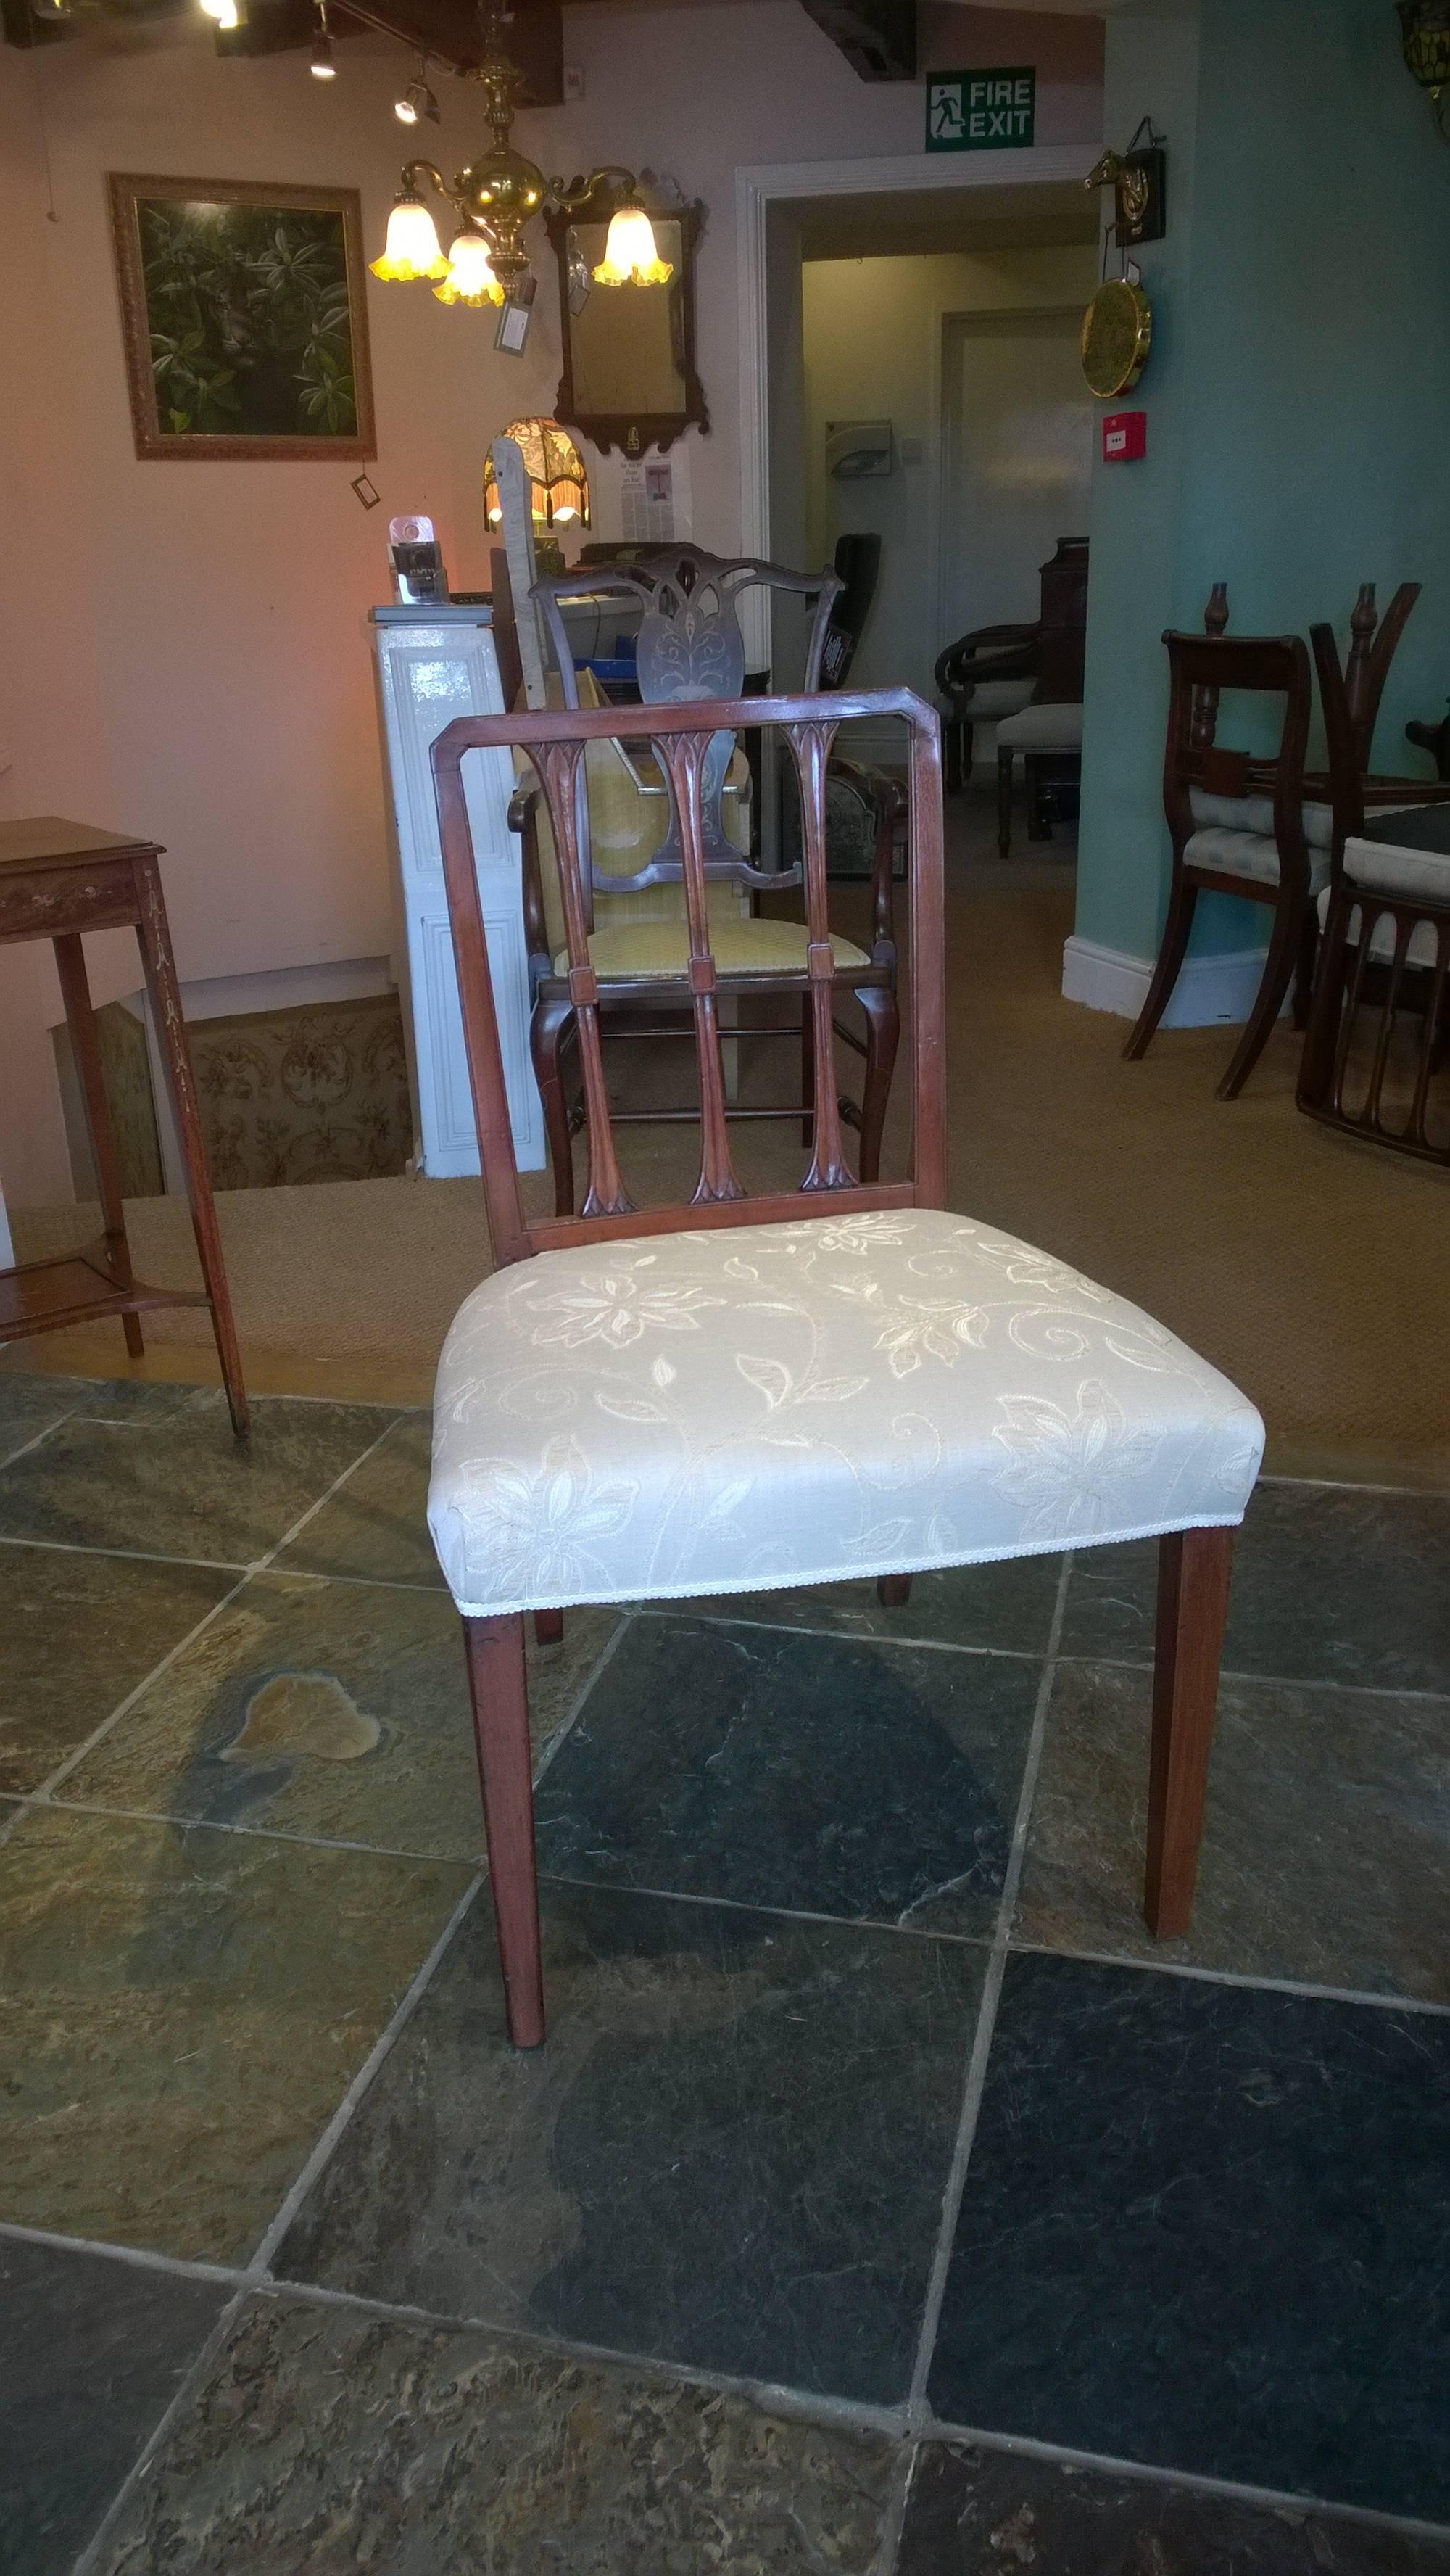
(1017, 435)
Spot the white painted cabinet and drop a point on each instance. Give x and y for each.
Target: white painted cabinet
(434, 664)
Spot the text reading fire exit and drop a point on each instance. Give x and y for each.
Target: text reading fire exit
(980, 111)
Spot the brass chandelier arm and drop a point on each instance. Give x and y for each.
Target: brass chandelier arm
(413, 171)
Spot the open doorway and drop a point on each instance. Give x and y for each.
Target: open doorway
(925, 391)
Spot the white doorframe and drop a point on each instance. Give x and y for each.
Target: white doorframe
(780, 182)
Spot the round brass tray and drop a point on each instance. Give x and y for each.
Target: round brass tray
(1117, 334)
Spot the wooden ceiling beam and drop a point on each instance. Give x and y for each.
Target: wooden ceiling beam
(877, 37)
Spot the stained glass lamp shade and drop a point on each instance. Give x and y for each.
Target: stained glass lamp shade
(558, 484)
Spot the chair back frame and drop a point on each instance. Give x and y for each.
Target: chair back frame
(680, 737)
(690, 648)
(1367, 665)
(1200, 668)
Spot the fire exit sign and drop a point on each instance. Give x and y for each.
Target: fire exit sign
(981, 111)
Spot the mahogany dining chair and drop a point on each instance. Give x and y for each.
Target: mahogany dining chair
(826, 1380)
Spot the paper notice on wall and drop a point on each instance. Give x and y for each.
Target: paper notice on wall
(630, 503)
(654, 498)
(647, 497)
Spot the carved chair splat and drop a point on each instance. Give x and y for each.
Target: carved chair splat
(902, 1263)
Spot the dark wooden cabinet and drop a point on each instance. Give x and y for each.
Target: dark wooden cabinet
(1063, 631)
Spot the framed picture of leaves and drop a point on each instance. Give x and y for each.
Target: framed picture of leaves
(243, 317)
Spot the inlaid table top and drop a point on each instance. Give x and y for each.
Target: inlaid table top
(48, 840)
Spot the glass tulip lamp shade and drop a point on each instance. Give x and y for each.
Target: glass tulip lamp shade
(558, 484)
(411, 250)
(1425, 33)
(631, 253)
(470, 278)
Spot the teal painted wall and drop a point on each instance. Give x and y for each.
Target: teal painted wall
(1298, 397)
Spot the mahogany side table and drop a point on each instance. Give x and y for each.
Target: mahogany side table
(58, 879)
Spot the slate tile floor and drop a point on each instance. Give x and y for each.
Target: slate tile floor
(884, 2203)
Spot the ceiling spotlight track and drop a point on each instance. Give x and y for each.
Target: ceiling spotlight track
(496, 197)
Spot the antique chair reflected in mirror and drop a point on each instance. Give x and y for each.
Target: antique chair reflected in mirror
(690, 646)
(830, 1379)
(1376, 1060)
(628, 378)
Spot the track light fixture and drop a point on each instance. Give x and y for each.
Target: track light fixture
(417, 99)
(324, 62)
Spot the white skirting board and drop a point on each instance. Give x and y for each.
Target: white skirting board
(1209, 989)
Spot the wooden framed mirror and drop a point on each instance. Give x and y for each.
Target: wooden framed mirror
(629, 377)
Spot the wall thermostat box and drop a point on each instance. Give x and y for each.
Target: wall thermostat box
(856, 448)
(1125, 436)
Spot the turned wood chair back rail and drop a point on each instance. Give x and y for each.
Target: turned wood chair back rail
(1373, 642)
(1201, 667)
(680, 738)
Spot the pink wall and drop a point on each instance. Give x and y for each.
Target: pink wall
(183, 648)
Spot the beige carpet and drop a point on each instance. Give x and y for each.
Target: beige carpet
(1312, 1270)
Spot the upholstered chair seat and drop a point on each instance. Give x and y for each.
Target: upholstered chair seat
(1041, 728)
(1411, 875)
(711, 1412)
(1256, 814)
(988, 701)
(1236, 834)
(662, 948)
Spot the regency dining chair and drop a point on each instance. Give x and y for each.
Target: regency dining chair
(834, 1379)
(1239, 824)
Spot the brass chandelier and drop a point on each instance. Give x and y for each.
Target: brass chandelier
(494, 199)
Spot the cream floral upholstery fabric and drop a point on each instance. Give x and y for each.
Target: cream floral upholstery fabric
(771, 1405)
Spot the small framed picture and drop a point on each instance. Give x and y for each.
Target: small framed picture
(513, 322)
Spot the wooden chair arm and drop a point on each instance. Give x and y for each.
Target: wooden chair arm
(988, 653)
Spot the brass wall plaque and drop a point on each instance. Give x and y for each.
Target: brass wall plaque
(1117, 334)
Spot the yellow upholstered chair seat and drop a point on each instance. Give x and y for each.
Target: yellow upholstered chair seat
(746, 947)
(627, 823)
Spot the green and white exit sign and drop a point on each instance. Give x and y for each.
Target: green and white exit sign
(981, 111)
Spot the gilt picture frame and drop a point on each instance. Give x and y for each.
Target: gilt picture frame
(243, 319)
